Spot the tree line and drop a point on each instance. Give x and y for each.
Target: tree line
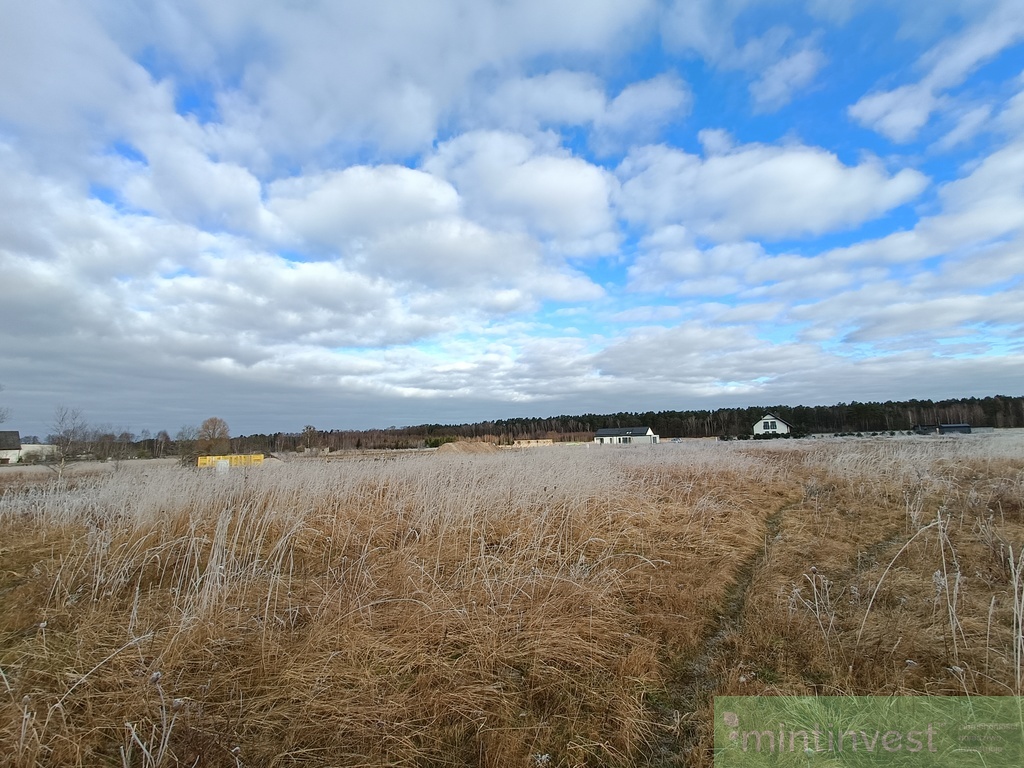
(995, 411)
(73, 438)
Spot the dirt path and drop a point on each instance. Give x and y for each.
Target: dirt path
(693, 682)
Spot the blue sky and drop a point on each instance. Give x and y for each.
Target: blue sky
(358, 215)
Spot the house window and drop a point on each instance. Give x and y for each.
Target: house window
(773, 425)
(768, 425)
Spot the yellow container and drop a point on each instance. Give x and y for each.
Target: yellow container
(234, 460)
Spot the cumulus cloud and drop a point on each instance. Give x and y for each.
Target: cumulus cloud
(378, 76)
(672, 263)
(63, 73)
(983, 206)
(182, 183)
(759, 190)
(336, 208)
(119, 286)
(526, 104)
(699, 358)
(639, 112)
(510, 181)
(409, 213)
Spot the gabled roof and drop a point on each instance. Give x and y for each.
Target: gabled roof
(10, 441)
(623, 432)
(776, 418)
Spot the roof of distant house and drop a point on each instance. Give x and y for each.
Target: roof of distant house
(623, 432)
(777, 418)
(10, 441)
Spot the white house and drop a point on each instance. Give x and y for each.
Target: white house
(625, 436)
(770, 424)
(10, 447)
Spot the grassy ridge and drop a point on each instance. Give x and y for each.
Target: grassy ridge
(563, 606)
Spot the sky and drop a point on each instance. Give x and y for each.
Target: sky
(359, 215)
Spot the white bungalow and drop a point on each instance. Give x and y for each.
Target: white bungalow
(770, 424)
(10, 447)
(625, 436)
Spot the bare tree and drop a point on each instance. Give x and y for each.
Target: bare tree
(160, 443)
(213, 438)
(185, 444)
(68, 436)
(5, 413)
(124, 446)
(310, 437)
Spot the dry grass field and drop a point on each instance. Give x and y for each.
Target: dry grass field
(548, 607)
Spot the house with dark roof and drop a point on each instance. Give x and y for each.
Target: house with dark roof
(10, 447)
(770, 424)
(942, 429)
(625, 436)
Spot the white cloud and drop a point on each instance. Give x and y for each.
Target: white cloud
(188, 305)
(553, 98)
(451, 252)
(715, 141)
(785, 78)
(707, 27)
(900, 113)
(887, 314)
(759, 190)
(670, 263)
(509, 181)
(182, 183)
(648, 315)
(336, 208)
(345, 208)
(62, 73)
(699, 359)
(985, 205)
(367, 75)
(563, 98)
(968, 125)
(639, 112)
(780, 64)
(946, 315)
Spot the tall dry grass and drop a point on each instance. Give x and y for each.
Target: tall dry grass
(561, 606)
(894, 575)
(424, 611)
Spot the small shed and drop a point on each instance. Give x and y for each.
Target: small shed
(625, 436)
(770, 424)
(10, 447)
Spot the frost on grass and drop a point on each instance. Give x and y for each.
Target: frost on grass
(497, 609)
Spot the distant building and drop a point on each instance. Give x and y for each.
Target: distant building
(942, 429)
(625, 436)
(10, 447)
(770, 424)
